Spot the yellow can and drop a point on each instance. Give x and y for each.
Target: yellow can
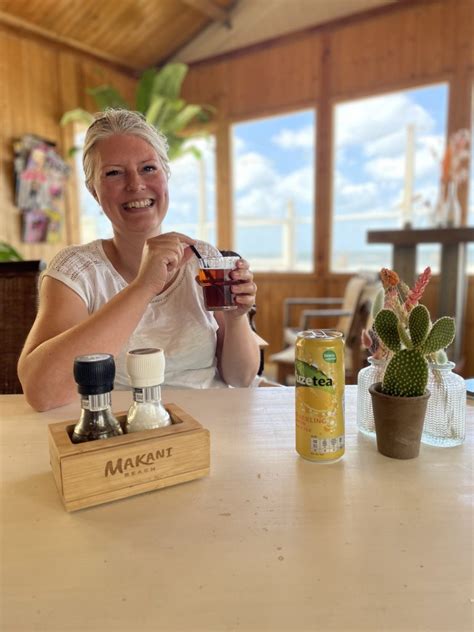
(319, 399)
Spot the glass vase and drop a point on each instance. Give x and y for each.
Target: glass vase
(452, 206)
(438, 218)
(445, 420)
(367, 376)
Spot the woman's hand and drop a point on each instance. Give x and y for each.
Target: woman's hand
(162, 257)
(244, 292)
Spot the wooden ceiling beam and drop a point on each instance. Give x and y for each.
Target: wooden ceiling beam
(19, 23)
(211, 10)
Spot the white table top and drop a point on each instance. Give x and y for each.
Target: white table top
(268, 541)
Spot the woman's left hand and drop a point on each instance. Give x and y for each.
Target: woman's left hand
(244, 292)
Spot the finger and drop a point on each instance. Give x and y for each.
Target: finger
(249, 289)
(244, 300)
(241, 275)
(242, 264)
(187, 255)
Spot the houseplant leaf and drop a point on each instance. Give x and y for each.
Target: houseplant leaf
(183, 118)
(156, 105)
(107, 97)
(169, 79)
(76, 116)
(145, 90)
(8, 253)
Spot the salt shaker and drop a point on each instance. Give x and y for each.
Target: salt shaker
(146, 370)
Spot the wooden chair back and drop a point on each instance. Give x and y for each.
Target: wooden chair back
(18, 307)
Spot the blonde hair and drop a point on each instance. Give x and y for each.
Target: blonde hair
(120, 121)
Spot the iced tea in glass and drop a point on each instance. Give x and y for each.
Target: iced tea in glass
(214, 278)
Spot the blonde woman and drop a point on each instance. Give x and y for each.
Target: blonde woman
(136, 289)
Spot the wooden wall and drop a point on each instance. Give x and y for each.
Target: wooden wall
(39, 82)
(392, 49)
(399, 47)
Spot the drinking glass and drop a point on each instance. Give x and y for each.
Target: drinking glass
(214, 278)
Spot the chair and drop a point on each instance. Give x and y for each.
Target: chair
(18, 307)
(352, 316)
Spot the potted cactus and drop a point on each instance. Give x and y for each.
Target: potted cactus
(399, 402)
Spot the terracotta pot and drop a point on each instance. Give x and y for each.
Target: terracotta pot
(398, 422)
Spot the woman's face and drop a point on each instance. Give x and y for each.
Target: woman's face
(130, 184)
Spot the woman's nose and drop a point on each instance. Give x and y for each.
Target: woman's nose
(134, 182)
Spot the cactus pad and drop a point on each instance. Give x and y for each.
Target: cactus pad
(406, 374)
(385, 325)
(419, 324)
(441, 335)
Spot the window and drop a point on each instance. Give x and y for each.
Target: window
(387, 157)
(273, 161)
(191, 188)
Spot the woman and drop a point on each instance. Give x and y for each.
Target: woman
(137, 289)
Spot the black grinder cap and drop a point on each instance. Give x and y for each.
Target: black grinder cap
(94, 373)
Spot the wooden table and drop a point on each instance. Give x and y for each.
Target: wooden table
(268, 541)
(453, 278)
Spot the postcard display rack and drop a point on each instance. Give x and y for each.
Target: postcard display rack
(96, 472)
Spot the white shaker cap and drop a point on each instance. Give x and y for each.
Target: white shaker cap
(146, 367)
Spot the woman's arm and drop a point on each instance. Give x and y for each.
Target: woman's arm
(63, 330)
(238, 353)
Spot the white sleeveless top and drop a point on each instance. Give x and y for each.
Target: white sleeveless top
(175, 321)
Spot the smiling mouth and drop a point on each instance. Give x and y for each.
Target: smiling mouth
(138, 204)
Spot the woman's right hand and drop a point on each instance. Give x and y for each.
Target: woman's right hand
(161, 259)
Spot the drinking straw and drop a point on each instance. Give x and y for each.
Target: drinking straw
(196, 252)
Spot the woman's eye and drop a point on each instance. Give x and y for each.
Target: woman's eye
(112, 172)
(149, 168)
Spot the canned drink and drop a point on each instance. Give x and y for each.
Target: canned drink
(319, 399)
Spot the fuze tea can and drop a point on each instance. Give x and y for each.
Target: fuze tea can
(319, 399)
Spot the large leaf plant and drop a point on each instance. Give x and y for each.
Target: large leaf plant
(8, 253)
(158, 99)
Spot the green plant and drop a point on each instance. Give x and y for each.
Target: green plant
(158, 99)
(406, 374)
(8, 253)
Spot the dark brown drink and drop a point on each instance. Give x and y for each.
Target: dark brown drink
(216, 285)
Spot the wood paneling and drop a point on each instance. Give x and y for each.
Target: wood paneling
(135, 35)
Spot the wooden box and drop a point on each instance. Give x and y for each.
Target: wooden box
(96, 472)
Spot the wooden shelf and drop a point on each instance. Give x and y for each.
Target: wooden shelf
(414, 236)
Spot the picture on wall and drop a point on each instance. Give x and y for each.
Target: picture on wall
(40, 178)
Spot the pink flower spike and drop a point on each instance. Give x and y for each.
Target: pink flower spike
(415, 294)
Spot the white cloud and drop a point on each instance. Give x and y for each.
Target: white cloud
(393, 167)
(239, 144)
(369, 120)
(259, 202)
(253, 170)
(295, 139)
(388, 145)
(297, 186)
